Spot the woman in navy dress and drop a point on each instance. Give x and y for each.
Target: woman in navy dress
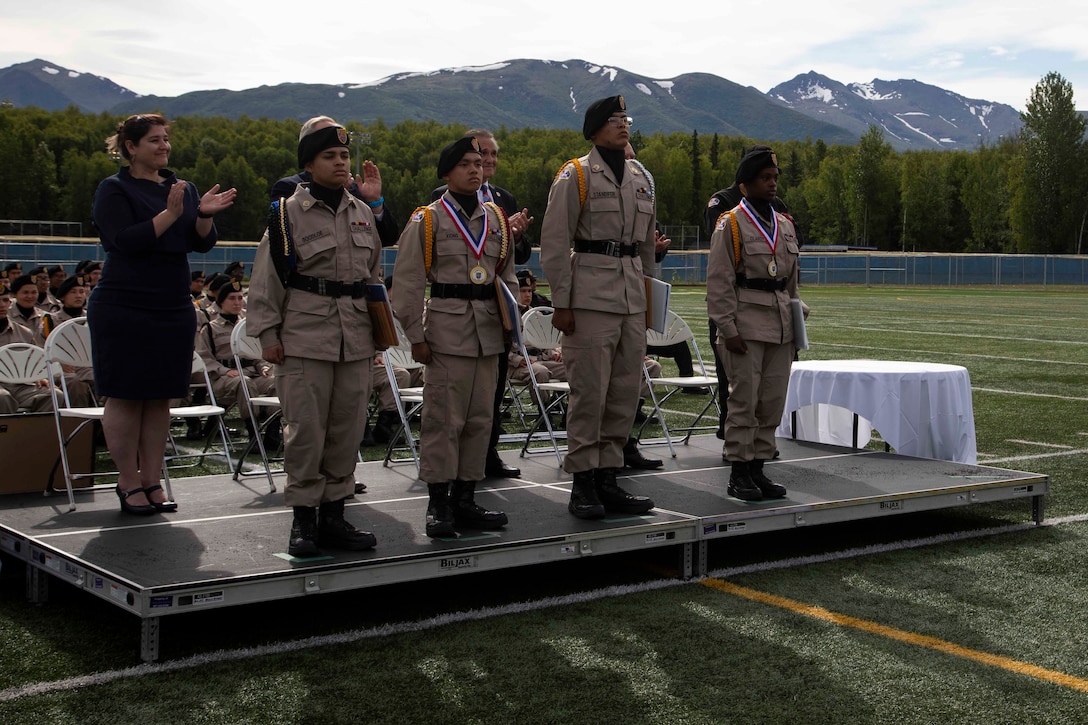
(140, 314)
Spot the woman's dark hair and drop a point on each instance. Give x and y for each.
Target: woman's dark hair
(132, 129)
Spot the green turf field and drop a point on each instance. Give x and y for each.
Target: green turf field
(965, 616)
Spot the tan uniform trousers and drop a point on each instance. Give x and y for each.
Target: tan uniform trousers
(324, 416)
(757, 395)
(458, 403)
(604, 368)
(227, 390)
(26, 396)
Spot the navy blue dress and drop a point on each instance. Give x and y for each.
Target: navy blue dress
(140, 313)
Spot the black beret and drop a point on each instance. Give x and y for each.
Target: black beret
(524, 282)
(69, 282)
(317, 141)
(91, 266)
(226, 289)
(56, 270)
(216, 281)
(755, 160)
(233, 266)
(12, 265)
(199, 274)
(454, 152)
(22, 281)
(598, 112)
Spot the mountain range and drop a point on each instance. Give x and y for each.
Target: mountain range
(554, 94)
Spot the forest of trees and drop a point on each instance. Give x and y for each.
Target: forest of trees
(1026, 194)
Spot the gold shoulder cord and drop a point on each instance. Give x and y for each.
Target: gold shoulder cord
(428, 239)
(283, 226)
(504, 231)
(581, 179)
(736, 238)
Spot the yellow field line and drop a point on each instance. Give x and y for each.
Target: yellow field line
(920, 640)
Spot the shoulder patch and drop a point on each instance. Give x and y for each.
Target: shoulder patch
(721, 222)
(418, 216)
(565, 172)
(714, 201)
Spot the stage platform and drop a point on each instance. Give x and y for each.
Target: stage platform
(226, 545)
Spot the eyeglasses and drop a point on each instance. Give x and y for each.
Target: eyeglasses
(620, 121)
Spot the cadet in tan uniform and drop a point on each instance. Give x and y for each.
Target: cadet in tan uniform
(213, 345)
(748, 300)
(30, 396)
(601, 208)
(307, 306)
(460, 246)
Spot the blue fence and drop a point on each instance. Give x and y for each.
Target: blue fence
(682, 267)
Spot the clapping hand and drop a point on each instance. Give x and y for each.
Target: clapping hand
(215, 201)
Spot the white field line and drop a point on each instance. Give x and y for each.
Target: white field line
(1065, 363)
(212, 658)
(1034, 456)
(1029, 395)
(1038, 443)
(960, 334)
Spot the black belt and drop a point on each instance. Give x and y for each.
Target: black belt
(246, 362)
(327, 287)
(443, 290)
(762, 284)
(608, 247)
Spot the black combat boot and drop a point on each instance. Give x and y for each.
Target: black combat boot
(767, 487)
(335, 532)
(467, 514)
(385, 427)
(303, 542)
(633, 458)
(741, 484)
(615, 499)
(439, 521)
(583, 497)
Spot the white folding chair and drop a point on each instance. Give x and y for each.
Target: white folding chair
(537, 332)
(409, 400)
(211, 409)
(244, 347)
(70, 344)
(678, 331)
(22, 363)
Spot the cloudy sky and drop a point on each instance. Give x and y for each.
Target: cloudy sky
(991, 50)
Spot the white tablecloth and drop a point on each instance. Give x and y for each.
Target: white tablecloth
(920, 409)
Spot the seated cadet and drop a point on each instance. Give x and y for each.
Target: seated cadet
(538, 300)
(196, 286)
(547, 365)
(72, 295)
(213, 346)
(56, 276)
(46, 300)
(33, 397)
(24, 295)
(388, 419)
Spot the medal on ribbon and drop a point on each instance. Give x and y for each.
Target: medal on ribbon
(771, 239)
(477, 275)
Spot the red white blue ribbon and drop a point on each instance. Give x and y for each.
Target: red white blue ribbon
(476, 244)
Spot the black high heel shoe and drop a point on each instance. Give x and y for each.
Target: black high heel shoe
(164, 506)
(128, 508)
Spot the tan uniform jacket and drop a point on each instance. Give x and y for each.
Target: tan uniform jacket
(453, 326)
(308, 324)
(623, 212)
(763, 316)
(213, 345)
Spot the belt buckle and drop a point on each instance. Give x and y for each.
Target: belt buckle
(612, 248)
(321, 287)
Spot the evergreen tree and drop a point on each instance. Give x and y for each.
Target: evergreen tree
(1048, 199)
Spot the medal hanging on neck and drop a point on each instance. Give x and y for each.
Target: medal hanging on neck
(476, 275)
(771, 239)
